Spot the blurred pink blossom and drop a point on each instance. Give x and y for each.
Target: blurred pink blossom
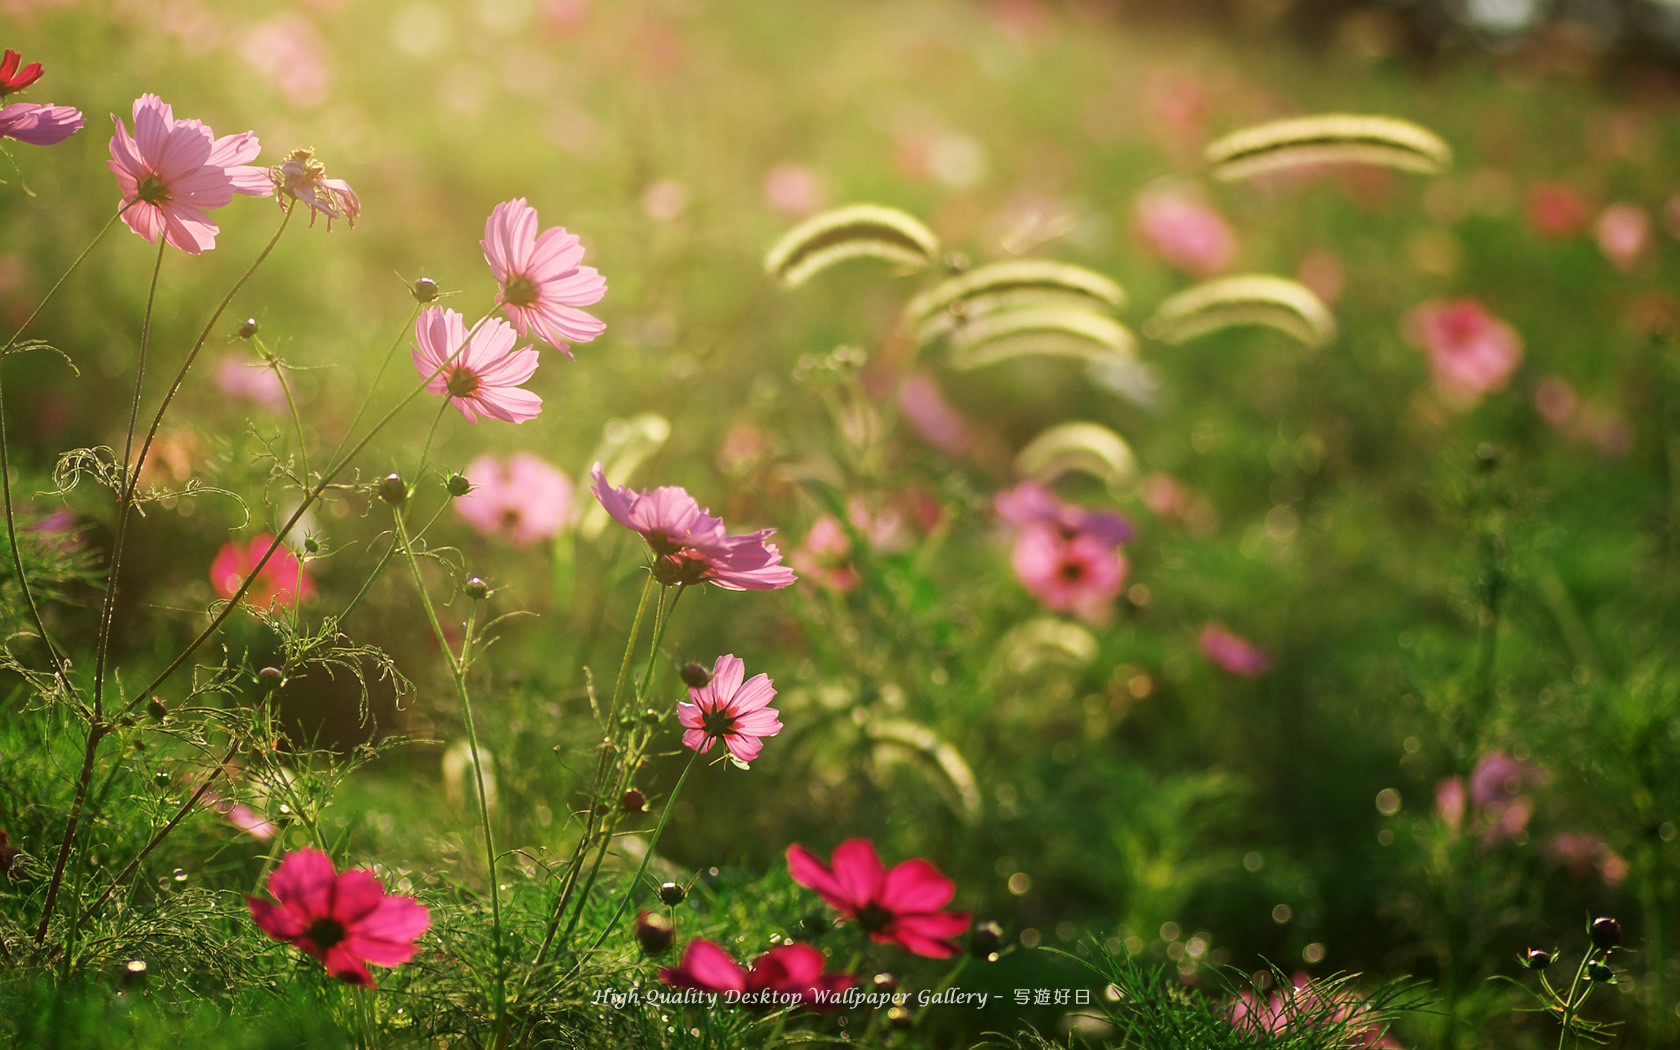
(1496, 789)
(1178, 104)
(523, 498)
(1304, 1006)
(934, 418)
(240, 816)
(793, 189)
(1578, 853)
(287, 52)
(1032, 503)
(171, 171)
(1471, 352)
(1163, 494)
(1321, 270)
(1623, 232)
(282, 581)
(238, 376)
(664, 200)
(1232, 653)
(1079, 573)
(1449, 802)
(825, 558)
(1557, 209)
(1555, 400)
(1186, 233)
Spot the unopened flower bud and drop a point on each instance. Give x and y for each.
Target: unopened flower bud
(650, 717)
(985, 939)
(900, 1017)
(248, 329)
(672, 894)
(477, 589)
(311, 545)
(695, 676)
(157, 709)
(1600, 971)
(633, 801)
(457, 484)
(133, 973)
(602, 809)
(1536, 959)
(884, 982)
(270, 677)
(392, 490)
(425, 290)
(655, 932)
(1606, 932)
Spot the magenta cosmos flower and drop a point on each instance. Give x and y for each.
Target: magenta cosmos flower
(791, 969)
(1232, 653)
(542, 281)
(171, 171)
(729, 709)
(13, 79)
(523, 498)
(1471, 352)
(902, 905)
(1079, 573)
(346, 921)
(480, 371)
(282, 581)
(1032, 503)
(689, 544)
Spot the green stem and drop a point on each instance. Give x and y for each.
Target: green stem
(630, 891)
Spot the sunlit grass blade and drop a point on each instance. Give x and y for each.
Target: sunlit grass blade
(1051, 332)
(1046, 641)
(1088, 447)
(939, 752)
(1288, 306)
(853, 232)
(1016, 282)
(1330, 138)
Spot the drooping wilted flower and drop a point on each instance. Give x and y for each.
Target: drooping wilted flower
(302, 177)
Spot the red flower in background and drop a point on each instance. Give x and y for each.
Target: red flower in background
(791, 969)
(346, 921)
(283, 581)
(14, 79)
(899, 906)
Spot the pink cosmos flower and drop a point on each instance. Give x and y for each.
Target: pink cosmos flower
(728, 709)
(689, 544)
(523, 498)
(899, 906)
(39, 125)
(480, 371)
(1579, 853)
(1232, 653)
(241, 816)
(1079, 572)
(1032, 503)
(280, 583)
(925, 407)
(793, 189)
(1306, 1006)
(1186, 233)
(542, 281)
(1623, 233)
(13, 79)
(301, 177)
(1449, 802)
(1555, 400)
(346, 921)
(287, 52)
(790, 969)
(176, 170)
(825, 558)
(1471, 352)
(238, 376)
(1495, 793)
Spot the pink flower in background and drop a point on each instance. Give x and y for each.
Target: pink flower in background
(1496, 789)
(1305, 1006)
(1623, 233)
(287, 52)
(728, 709)
(940, 425)
(825, 558)
(1557, 209)
(282, 581)
(238, 376)
(1471, 352)
(302, 177)
(178, 169)
(792, 969)
(1186, 233)
(39, 125)
(1032, 503)
(1555, 400)
(900, 906)
(1165, 495)
(1077, 573)
(345, 921)
(523, 498)
(13, 79)
(1449, 802)
(480, 372)
(689, 544)
(1579, 853)
(542, 280)
(1232, 653)
(793, 189)
(240, 816)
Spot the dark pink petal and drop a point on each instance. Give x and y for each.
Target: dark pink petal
(938, 925)
(343, 964)
(357, 894)
(387, 935)
(706, 967)
(800, 964)
(916, 886)
(813, 874)
(858, 870)
(304, 880)
(277, 922)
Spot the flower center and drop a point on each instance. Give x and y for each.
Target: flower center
(520, 291)
(1072, 571)
(685, 570)
(462, 381)
(152, 189)
(718, 722)
(510, 518)
(325, 933)
(874, 918)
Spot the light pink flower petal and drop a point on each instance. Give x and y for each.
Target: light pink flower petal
(758, 723)
(744, 748)
(690, 715)
(727, 672)
(697, 740)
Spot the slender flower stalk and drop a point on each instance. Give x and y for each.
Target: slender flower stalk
(630, 891)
